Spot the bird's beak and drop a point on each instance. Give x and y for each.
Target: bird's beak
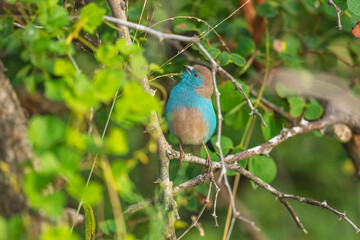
(188, 69)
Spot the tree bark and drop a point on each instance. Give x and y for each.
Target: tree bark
(15, 148)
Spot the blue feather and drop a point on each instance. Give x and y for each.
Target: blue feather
(184, 95)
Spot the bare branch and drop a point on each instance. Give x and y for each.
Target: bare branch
(118, 8)
(194, 223)
(266, 148)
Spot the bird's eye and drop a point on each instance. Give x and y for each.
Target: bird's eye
(195, 75)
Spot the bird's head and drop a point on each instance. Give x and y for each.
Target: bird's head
(200, 79)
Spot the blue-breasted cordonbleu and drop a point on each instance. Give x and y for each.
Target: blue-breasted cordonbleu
(189, 112)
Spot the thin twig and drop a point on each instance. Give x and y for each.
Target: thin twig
(338, 11)
(215, 198)
(194, 223)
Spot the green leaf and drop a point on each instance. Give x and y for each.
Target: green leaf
(58, 233)
(108, 226)
(281, 90)
(214, 52)
(3, 228)
(49, 163)
(52, 16)
(81, 96)
(90, 224)
(230, 97)
(139, 66)
(53, 204)
(297, 105)
(273, 128)
(237, 59)
(91, 16)
(226, 146)
(246, 46)
(135, 105)
(266, 10)
(30, 33)
(106, 82)
(313, 110)
(186, 27)
(354, 6)
(116, 142)
(41, 126)
(263, 167)
(63, 67)
(292, 7)
(224, 59)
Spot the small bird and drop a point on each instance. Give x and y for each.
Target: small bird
(189, 112)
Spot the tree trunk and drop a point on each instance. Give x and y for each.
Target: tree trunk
(15, 148)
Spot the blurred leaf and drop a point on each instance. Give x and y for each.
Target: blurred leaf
(230, 97)
(108, 226)
(81, 96)
(281, 90)
(116, 142)
(192, 203)
(224, 59)
(77, 188)
(3, 229)
(297, 105)
(273, 128)
(291, 7)
(226, 146)
(90, 224)
(245, 47)
(41, 126)
(263, 167)
(49, 163)
(30, 33)
(179, 224)
(186, 27)
(266, 10)
(63, 67)
(59, 233)
(52, 16)
(6, 28)
(313, 110)
(135, 105)
(237, 59)
(214, 52)
(52, 204)
(139, 66)
(106, 82)
(91, 16)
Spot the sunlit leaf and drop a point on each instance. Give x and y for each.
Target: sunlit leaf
(58, 233)
(116, 142)
(214, 52)
(90, 224)
(91, 16)
(224, 59)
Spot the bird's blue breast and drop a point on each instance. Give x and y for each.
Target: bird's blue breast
(184, 100)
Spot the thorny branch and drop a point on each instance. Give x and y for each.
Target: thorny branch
(265, 148)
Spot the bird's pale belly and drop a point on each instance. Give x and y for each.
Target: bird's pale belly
(188, 126)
